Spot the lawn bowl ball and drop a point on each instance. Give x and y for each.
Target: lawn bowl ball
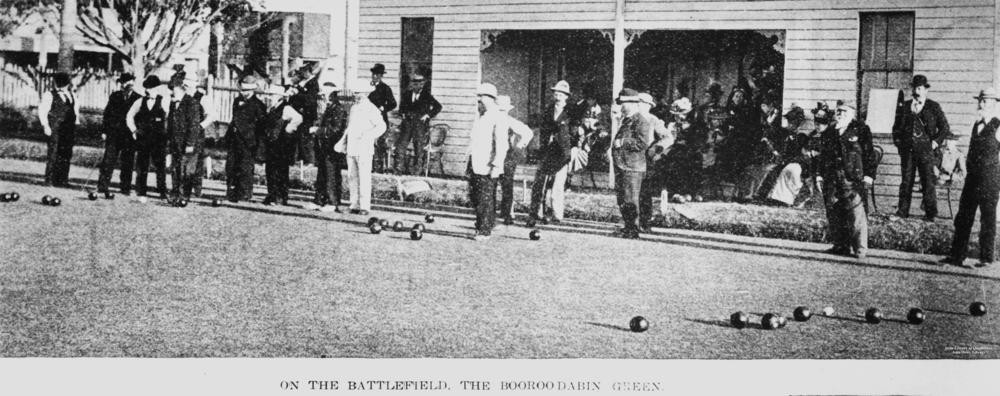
(5, 197)
(416, 234)
(688, 198)
(677, 198)
(769, 321)
(739, 320)
(375, 228)
(182, 203)
(216, 202)
(55, 201)
(638, 324)
(782, 321)
(419, 226)
(801, 314)
(429, 218)
(46, 199)
(109, 196)
(915, 316)
(828, 311)
(699, 198)
(398, 226)
(977, 309)
(873, 315)
(383, 223)
(92, 196)
(372, 220)
(535, 235)
(15, 196)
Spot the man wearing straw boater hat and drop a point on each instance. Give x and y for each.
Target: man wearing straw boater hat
(920, 127)
(59, 113)
(628, 150)
(555, 148)
(241, 141)
(982, 185)
(147, 120)
(119, 144)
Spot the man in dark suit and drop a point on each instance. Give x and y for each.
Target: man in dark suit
(847, 169)
(329, 163)
(920, 127)
(382, 97)
(417, 106)
(59, 113)
(555, 148)
(982, 185)
(241, 141)
(119, 143)
(628, 151)
(147, 121)
(186, 139)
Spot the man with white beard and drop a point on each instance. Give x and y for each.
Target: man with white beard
(846, 170)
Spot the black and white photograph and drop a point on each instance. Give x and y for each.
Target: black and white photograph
(699, 197)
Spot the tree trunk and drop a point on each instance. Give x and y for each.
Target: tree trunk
(138, 55)
(67, 27)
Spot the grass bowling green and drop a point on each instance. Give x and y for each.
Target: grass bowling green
(125, 278)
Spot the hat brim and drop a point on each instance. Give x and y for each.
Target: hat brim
(554, 89)
(680, 112)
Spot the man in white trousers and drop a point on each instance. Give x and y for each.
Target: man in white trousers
(364, 126)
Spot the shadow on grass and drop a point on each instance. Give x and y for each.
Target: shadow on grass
(845, 318)
(725, 323)
(700, 241)
(609, 326)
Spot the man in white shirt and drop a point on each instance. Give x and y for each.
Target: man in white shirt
(59, 114)
(364, 126)
(518, 139)
(487, 150)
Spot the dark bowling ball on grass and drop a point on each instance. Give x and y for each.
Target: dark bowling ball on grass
(55, 202)
(92, 196)
(638, 324)
(769, 321)
(535, 235)
(375, 228)
(739, 320)
(216, 202)
(398, 226)
(5, 197)
(383, 223)
(416, 234)
(429, 218)
(15, 196)
(420, 227)
(873, 315)
(109, 196)
(372, 220)
(182, 203)
(802, 314)
(977, 309)
(46, 199)
(915, 316)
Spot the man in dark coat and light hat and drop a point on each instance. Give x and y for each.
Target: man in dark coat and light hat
(119, 143)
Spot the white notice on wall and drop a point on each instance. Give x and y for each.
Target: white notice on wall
(882, 109)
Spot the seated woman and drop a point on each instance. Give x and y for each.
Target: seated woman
(800, 156)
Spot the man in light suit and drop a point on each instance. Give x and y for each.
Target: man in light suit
(628, 151)
(487, 150)
(364, 126)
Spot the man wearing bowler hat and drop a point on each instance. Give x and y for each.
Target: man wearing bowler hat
(382, 98)
(555, 148)
(628, 151)
(119, 144)
(982, 185)
(59, 114)
(417, 106)
(920, 127)
(241, 141)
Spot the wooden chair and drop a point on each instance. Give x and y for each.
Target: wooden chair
(435, 148)
(879, 152)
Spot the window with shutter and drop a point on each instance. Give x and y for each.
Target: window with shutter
(885, 53)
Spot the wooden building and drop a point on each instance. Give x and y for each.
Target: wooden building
(829, 50)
